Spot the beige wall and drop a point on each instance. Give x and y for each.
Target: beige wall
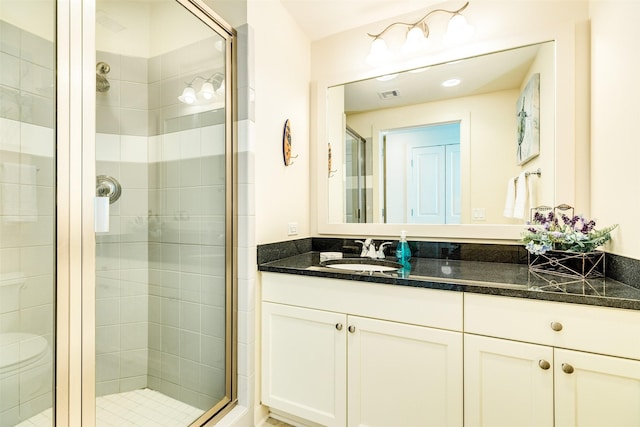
(615, 151)
(282, 64)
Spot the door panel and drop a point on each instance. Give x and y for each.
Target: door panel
(27, 210)
(594, 390)
(417, 371)
(304, 362)
(505, 384)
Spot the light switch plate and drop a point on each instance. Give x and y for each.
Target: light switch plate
(292, 228)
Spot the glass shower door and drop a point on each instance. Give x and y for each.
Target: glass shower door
(163, 208)
(27, 211)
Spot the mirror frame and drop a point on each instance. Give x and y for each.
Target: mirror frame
(571, 140)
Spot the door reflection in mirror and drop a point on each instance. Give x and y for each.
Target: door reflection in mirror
(422, 174)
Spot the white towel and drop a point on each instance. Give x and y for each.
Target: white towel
(532, 193)
(19, 193)
(511, 198)
(521, 196)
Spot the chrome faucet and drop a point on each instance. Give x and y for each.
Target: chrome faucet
(369, 248)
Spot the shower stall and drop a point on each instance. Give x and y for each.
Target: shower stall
(116, 213)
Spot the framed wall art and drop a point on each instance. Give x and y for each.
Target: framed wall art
(528, 121)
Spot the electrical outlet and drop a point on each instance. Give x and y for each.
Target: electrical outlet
(292, 228)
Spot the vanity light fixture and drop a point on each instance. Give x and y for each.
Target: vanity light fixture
(212, 87)
(458, 30)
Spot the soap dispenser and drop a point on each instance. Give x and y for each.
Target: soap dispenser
(403, 252)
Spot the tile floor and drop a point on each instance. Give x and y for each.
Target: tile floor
(143, 408)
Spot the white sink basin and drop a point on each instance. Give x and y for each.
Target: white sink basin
(362, 265)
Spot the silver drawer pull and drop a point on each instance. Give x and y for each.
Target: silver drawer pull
(544, 364)
(556, 326)
(339, 326)
(352, 328)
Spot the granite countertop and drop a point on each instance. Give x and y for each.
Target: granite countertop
(493, 278)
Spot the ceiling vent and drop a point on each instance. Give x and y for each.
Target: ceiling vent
(389, 94)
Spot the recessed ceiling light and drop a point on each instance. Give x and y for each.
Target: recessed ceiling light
(451, 82)
(387, 77)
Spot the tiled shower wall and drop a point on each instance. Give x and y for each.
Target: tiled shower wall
(160, 297)
(27, 171)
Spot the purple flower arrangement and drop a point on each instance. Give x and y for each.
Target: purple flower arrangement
(561, 232)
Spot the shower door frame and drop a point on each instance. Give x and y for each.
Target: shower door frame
(75, 190)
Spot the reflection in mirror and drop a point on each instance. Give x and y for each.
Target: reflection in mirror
(441, 141)
(356, 158)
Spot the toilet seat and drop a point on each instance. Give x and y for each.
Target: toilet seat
(19, 349)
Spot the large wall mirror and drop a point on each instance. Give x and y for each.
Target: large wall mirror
(440, 145)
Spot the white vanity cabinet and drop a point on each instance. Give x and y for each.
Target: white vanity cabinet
(537, 363)
(347, 353)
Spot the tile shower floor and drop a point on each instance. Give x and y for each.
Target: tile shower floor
(144, 407)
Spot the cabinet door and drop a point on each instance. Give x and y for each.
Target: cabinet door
(403, 375)
(304, 362)
(507, 383)
(594, 390)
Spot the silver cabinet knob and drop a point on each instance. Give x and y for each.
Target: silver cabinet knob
(339, 326)
(544, 364)
(567, 369)
(352, 328)
(556, 326)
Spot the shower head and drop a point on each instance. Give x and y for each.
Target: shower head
(102, 84)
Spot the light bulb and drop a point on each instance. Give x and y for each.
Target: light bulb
(188, 95)
(378, 53)
(207, 91)
(451, 82)
(458, 30)
(221, 90)
(416, 40)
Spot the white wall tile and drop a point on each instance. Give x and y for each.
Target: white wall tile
(134, 336)
(133, 149)
(190, 316)
(170, 340)
(108, 311)
(133, 363)
(189, 144)
(107, 147)
(10, 135)
(213, 140)
(107, 339)
(36, 140)
(107, 366)
(134, 309)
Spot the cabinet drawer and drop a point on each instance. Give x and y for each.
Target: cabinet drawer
(418, 306)
(595, 329)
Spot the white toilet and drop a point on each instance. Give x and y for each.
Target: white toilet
(25, 360)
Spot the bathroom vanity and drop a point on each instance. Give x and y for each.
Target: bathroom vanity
(357, 349)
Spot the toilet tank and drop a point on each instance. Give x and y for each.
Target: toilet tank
(10, 286)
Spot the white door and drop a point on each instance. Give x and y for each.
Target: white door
(507, 383)
(403, 375)
(594, 390)
(304, 362)
(426, 193)
(433, 184)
